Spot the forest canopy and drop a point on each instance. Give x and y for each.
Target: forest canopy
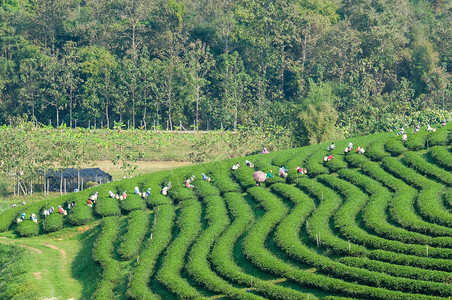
(360, 66)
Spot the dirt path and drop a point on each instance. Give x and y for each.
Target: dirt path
(9, 241)
(63, 253)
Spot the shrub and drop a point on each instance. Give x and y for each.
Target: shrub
(138, 287)
(137, 227)
(169, 274)
(157, 199)
(395, 146)
(8, 217)
(439, 138)
(27, 228)
(81, 213)
(178, 194)
(107, 207)
(102, 253)
(133, 202)
(442, 156)
(53, 222)
(90, 184)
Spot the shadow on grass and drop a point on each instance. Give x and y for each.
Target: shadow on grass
(84, 268)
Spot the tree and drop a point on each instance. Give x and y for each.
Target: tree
(70, 76)
(317, 117)
(51, 90)
(99, 67)
(200, 61)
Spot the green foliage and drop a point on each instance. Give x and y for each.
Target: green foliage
(102, 253)
(161, 235)
(442, 156)
(107, 207)
(133, 202)
(137, 227)
(27, 228)
(18, 282)
(53, 222)
(81, 213)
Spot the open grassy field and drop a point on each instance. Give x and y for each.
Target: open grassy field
(143, 167)
(376, 225)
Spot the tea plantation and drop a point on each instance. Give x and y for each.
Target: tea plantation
(376, 225)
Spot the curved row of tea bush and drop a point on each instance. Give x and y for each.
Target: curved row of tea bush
(376, 150)
(429, 198)
(417, 141)
(198, 265)
(442, 156)
(401, 207)
(221, 178)
(441, 137)
(354, 201)
(169, 275)
(222, 253)
(256, 252)
(138, 287)
(287, 238)
(316, 229)
(374, 214)
(417, 163)
(81, 213)
(396, 270)
(137, 227)
(103, 254)
(8, 217)
(395, 146)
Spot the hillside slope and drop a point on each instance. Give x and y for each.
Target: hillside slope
(376, 225)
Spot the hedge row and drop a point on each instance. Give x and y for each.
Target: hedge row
(132, 202)
(329, 204)
(355, 200)
(429, 199)
(395, 146)
(220, 175)
(138, 287)
(376, 150)
(440, 138)
(396, 270)
(315, 164)
(102, 253)
(287, 238)
(299, 160)
(417, 141)
(179, 194)
(223, 259)
(53, 222)
(254, 248)
(9, 216)
(81, 213)
(419, 164)
(374, 214)
(244, 176)
(169, 275)
(198, 266)
(157, 199)
(106, 206)
(401, 207)
(27, 228)
(137, 227)
(411, 260)
(442, 156)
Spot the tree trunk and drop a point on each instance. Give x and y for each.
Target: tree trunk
(61, 183)
(197, 108)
